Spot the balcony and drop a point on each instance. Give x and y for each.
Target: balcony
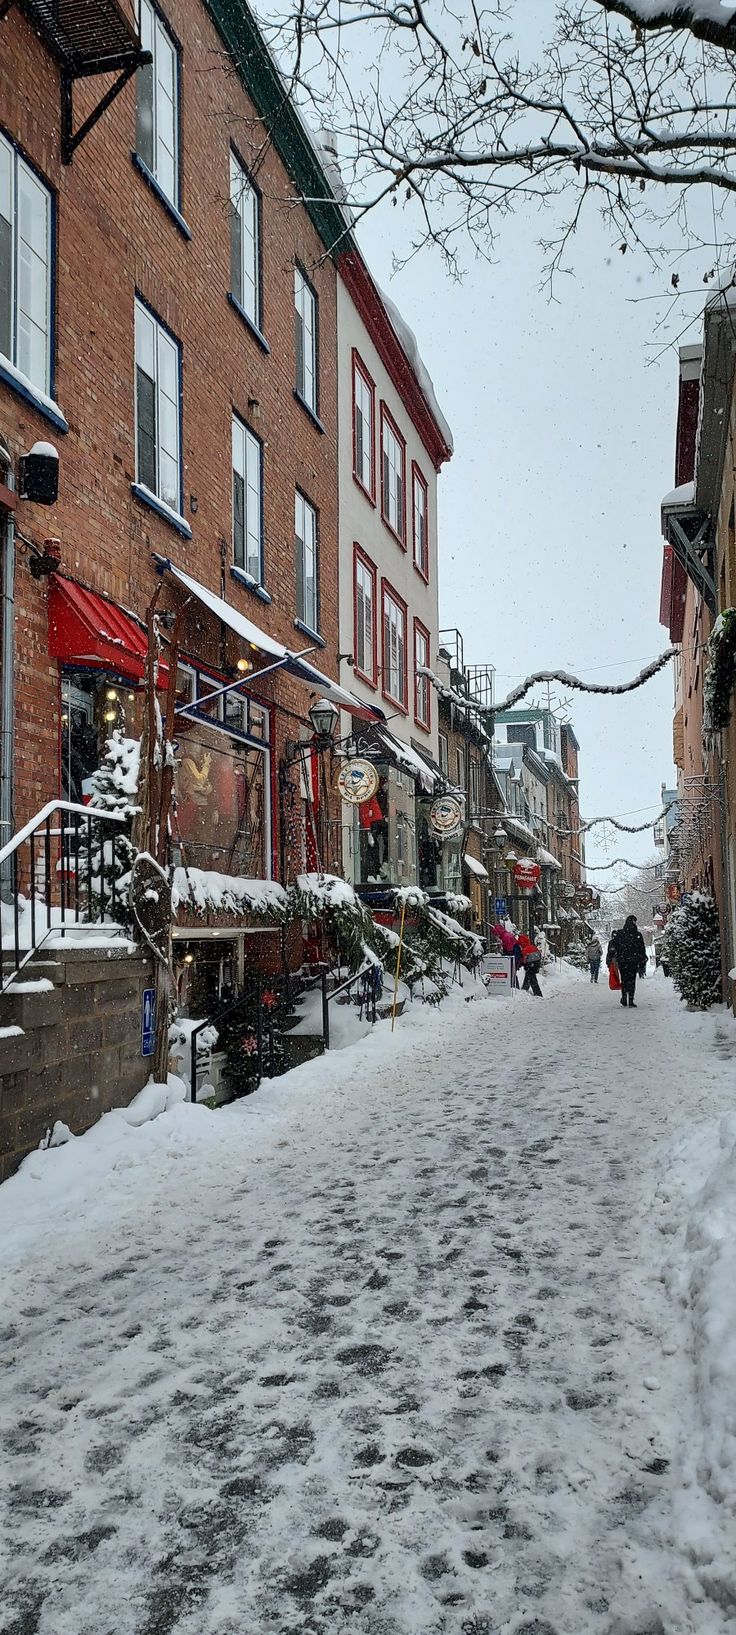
(87, 38)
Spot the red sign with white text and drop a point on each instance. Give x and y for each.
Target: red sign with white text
(526, 872)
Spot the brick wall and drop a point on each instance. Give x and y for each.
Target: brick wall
(114, 236)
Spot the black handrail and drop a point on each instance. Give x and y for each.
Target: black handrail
(80, 900)
(305, 983)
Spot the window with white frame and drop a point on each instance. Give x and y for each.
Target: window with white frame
(394, 649)
(363, 434)
(392, 476)
(305, 314)
(157, 408)
(25, 268)
(247, 501)
(245, 247)
(421, 684)
(419, 523)
(365, 618)
(307, 564)
(157, 113)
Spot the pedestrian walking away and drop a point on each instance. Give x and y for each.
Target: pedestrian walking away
(594, 955)
(626, 949)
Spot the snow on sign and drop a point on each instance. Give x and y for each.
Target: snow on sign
(148, 1022)
(498, 973)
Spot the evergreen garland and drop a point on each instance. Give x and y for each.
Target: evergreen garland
(691, 949)
(720, 680)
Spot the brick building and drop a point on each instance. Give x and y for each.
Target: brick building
(168, 319)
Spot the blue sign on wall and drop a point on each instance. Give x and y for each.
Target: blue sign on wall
(148, 1022)
(501, 908)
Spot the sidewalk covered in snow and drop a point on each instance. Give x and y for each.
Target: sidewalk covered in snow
(425, 1338)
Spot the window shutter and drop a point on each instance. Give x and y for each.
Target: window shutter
(144, 115)
(300, 607)
(236, 254)
(238, 520)
(146, 406)
(6, 287)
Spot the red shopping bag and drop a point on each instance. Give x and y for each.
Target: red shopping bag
(614, 980)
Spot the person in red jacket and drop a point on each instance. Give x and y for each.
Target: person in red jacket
(531, 960)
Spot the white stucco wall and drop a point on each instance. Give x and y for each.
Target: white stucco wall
(361, 523)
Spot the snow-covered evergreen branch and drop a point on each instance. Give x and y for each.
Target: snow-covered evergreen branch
(568, 680)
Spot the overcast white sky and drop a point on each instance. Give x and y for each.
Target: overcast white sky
(564, 422)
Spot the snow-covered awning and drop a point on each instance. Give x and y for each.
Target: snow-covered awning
(521, 830)
(547, 860)
(275, 651)
(474, 867)
(409, 761)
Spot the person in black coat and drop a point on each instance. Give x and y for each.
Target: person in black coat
(627, 949)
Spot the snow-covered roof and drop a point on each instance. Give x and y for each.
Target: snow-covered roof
(211, 892)
(520, 829)
(684, 495)
(547, 860)
(701, 11)
(474, 867)
(410, 761)
(408, 342)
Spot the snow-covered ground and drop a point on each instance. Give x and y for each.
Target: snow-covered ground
(436, 1336)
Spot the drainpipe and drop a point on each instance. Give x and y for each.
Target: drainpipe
(7, 691)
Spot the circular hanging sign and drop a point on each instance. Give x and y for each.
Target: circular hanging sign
(446, 816)
(526, 872)
(357, 781)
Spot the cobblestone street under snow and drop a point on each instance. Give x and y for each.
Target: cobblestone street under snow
(403, 1345)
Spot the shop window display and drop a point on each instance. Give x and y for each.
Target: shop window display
(440, 866)
(385, 851)
(93, 707)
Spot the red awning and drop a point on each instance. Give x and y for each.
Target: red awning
(86, 629)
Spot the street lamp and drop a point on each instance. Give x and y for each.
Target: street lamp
(499, 836)
(324, 717)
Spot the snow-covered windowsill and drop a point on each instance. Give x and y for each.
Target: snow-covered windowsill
(39, 400)
(166, 511)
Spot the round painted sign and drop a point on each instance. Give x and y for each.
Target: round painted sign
(357, 781)
(446, 816)
(526, 872)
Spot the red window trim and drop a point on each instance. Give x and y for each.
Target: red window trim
(426, 726)
(387, 589)
(359, 555)
(417, 474)
(360, 368)
(386, 415)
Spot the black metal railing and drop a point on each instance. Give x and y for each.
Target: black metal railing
(53, 880)
(370, 986)
(258, 1017)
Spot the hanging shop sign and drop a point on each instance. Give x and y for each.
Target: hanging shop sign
(585, 896)
(446, 816)
(672, 891)
(527, 872)
(568, 892)
(357, 781)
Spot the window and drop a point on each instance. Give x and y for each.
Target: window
(25, 269)
(421, 683)
(420, 530)
(394, 648)
(247, 501)
(461, 769)
(307, 580)
(364, 408)
(305, 305)
(245, 242)
(364, 601)
(473, 769)
(157, 408)
(393, 459)
(157, 114)
(443, 753)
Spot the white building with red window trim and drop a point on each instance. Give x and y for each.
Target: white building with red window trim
(393, 441)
